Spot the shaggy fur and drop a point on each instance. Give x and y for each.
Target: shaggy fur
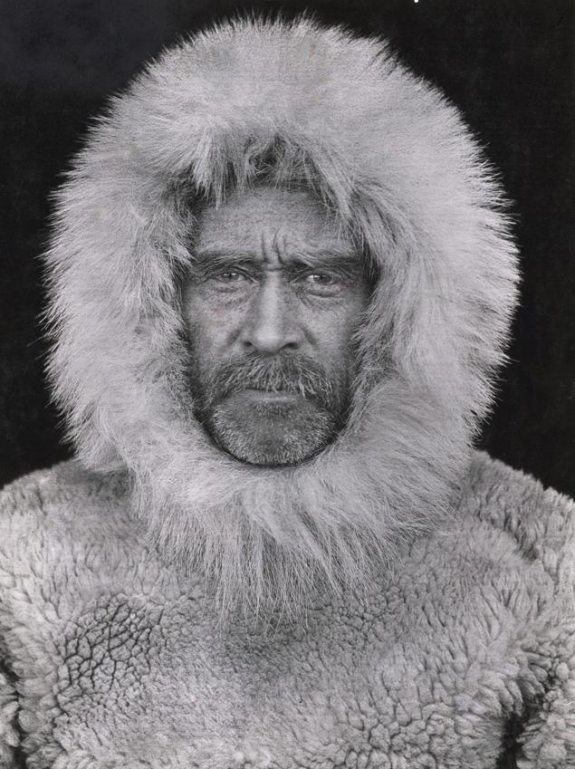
(395, 163)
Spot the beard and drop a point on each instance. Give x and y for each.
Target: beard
(270, 411)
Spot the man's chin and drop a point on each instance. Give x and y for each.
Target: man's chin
(271, 429)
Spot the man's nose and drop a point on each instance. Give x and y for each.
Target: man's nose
(272, 323)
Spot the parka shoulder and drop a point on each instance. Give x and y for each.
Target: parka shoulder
(49, 513)
(541, 521)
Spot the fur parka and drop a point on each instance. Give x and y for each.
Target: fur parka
(400, 601)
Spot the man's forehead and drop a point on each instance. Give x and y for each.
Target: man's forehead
(272, 222)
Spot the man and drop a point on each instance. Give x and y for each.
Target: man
(281, 283)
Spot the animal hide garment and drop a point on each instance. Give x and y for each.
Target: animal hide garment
(400, 601)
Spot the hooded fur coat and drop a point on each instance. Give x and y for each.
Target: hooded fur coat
(434, 625)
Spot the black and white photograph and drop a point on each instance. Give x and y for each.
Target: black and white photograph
(287, 386)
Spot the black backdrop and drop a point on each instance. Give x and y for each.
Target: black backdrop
(508, 64)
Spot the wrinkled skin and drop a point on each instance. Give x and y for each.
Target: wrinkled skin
(271, 304)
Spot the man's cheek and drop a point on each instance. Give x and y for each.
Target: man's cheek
(210, 331)
(220, 319)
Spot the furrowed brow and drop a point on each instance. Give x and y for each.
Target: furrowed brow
(208, 258)
(343, 261)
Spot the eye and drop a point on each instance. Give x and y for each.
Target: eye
(323, 283)
(230, 276)
(321, 278)
(229, 279)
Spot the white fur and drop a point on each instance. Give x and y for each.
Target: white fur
(397, 164)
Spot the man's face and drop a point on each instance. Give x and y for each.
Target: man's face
(273, 299)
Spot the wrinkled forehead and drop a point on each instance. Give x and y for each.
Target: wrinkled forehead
(281, 222)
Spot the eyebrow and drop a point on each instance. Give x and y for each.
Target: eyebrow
(341, 259)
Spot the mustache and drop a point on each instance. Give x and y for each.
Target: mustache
(293, 374)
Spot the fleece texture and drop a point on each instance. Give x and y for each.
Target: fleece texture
(399, 601)
(463, 654)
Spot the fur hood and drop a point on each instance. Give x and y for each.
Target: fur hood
(396, 163)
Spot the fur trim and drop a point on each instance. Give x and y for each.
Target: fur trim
(396, 163)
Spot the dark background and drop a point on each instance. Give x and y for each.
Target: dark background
(508, 64)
